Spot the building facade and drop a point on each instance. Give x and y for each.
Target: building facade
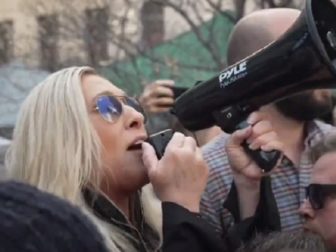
(55, 33)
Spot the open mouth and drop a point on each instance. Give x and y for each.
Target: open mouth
(137, 146)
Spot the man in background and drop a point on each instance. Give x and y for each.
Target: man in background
(293, 119)
(319, 209)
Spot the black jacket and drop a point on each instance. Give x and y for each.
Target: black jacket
(186, 231)
(265, 220)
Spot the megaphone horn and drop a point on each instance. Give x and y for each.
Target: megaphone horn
(303, 58)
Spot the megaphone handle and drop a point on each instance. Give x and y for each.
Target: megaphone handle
(233, 118)
(266, 160)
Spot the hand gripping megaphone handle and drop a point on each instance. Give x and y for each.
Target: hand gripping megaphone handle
(266, 160)
(233, 118)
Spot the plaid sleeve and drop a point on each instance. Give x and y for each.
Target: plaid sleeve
(209, 213)
(218, 187)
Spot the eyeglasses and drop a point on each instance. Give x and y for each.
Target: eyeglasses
(317, 194)
(110, 107)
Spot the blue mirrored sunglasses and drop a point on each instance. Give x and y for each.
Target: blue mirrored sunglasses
(110, 107)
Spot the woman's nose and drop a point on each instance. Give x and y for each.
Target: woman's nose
(306, 210)
(134, 119)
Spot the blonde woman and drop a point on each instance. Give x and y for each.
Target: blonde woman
(80, 137)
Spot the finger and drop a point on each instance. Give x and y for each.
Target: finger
(168, 83)
(190, 143)
(176, 141)
(199, 156)
(162, 91)
(163, 101)
(160, 109)
(254, 173)
(156, 106)
(263, 140)
(273, 145)
(149, 157)
(255, 117)
(199, 153)
(260, 128)
(238, 137)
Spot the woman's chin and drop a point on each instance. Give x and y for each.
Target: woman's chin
(137, 168)
(142, 180)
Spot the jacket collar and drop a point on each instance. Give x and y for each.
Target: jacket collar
(106, 210)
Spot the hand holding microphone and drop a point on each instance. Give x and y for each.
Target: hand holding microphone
(180, 176)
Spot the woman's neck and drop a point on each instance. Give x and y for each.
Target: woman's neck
(121, 200)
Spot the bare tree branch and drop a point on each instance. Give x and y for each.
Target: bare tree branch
(206, 44)
(240, 8)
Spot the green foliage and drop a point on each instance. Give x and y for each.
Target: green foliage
(184, 59)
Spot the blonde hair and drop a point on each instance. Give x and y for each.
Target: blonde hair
(56, 148)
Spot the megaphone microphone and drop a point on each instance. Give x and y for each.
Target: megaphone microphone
(303, 58)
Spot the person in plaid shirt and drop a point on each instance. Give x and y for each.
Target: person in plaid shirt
(292, 118)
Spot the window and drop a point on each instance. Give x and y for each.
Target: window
(6, 42)
(152, 23)
(97, 34)
(48, 38)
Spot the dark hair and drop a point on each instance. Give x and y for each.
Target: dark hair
(326, 145)
(285, 242)
(36, 221)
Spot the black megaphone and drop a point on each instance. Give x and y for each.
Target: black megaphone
(301, 59)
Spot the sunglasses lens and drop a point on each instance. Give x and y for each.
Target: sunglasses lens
(136, 105)
(109, 108)
(315, 197)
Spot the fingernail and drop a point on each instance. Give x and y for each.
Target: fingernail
(143, 145)
(252, 147)
(266, 148)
